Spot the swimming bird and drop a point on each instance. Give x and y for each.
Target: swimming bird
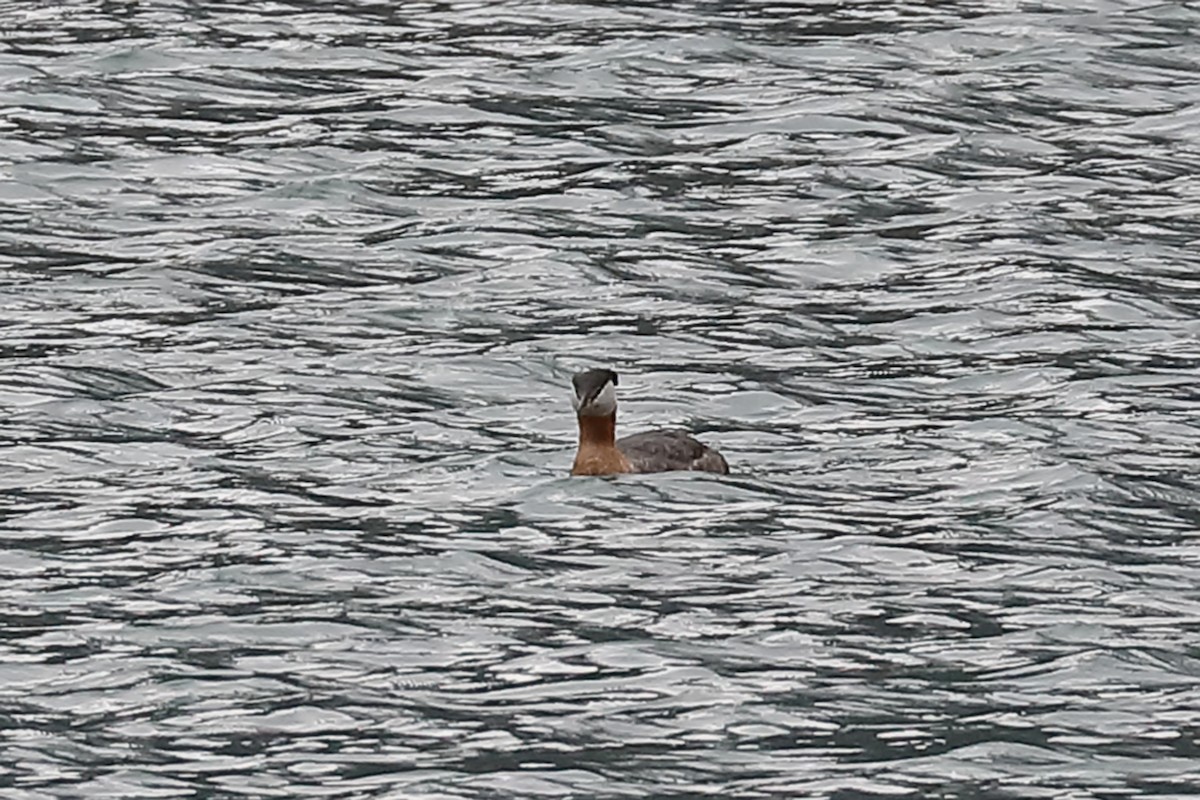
(601, 453)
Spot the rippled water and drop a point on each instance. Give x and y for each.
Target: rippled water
(291, 297)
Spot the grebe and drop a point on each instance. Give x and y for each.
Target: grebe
(600, 453)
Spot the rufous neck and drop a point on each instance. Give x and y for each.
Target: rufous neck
(598, 431)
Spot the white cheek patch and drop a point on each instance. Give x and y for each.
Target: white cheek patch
(604, 404)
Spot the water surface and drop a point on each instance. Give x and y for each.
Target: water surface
(291, 295)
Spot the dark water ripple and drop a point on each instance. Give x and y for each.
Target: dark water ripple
(291, 294)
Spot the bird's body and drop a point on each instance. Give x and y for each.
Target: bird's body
(601, 453)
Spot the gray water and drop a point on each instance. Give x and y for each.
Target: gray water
(291, 296)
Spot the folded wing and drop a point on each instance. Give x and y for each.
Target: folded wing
(660, 451)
